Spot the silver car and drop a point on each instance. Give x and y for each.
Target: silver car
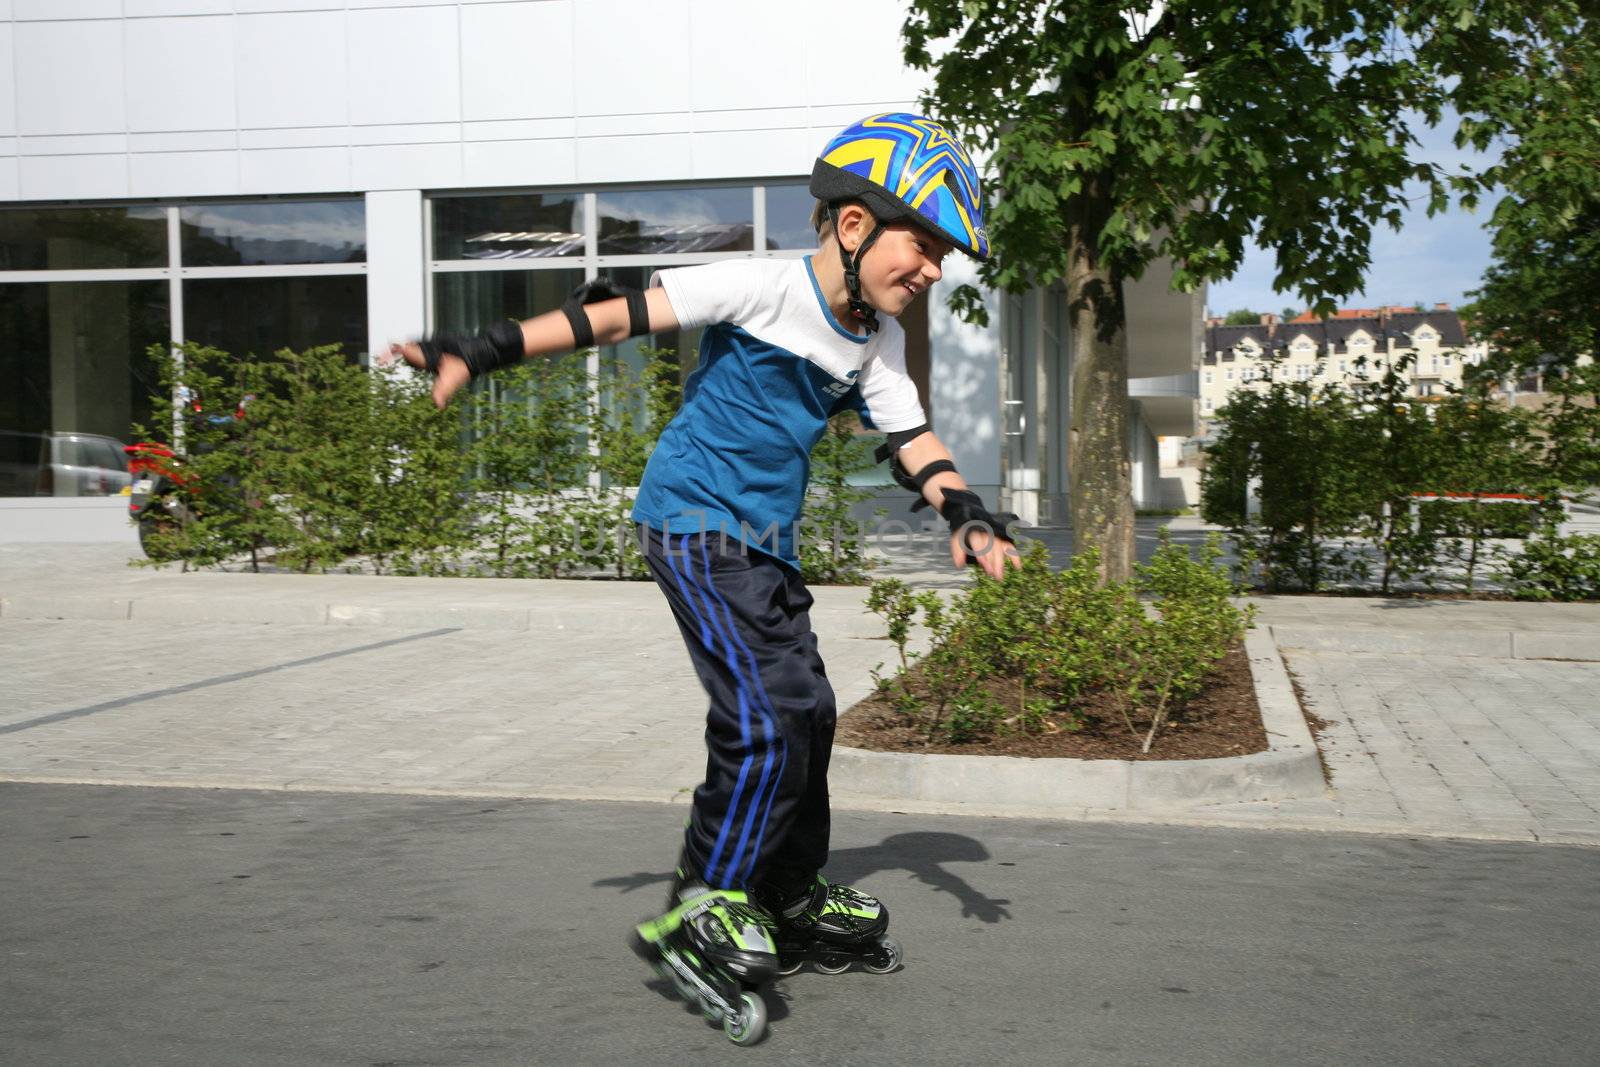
(61, 464)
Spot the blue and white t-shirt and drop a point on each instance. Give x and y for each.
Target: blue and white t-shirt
(774, 365)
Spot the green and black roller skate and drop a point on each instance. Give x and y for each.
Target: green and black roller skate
(831, 927)
(715, 946)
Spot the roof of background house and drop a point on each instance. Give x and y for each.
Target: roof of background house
(1381, 324)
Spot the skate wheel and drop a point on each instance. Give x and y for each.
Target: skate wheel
(789, 970)
(832, 965)
(750, 1024)
(888, 958)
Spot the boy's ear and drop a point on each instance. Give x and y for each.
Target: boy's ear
(855, 222)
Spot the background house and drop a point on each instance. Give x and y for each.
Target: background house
(1352, 343)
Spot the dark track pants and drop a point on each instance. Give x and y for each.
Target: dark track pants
(762, 812)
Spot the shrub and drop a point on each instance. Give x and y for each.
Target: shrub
(531, 463)
(1553, 567)
(1294, 443)
(1019, 654)
(213, 511)
(832, 548)
(1333, 469)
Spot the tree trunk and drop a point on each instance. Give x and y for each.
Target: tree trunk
(1099, 467)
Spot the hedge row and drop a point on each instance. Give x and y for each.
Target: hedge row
(1372, 487)
(308, 461)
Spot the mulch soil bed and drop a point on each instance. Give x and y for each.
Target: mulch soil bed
(1223, 720)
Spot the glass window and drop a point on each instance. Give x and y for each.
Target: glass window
(684, 344)
(274, 232)
(475, 300)
(82, 238)
(261, 315)
(677, 221)
(527, 226)
(789, 217)
(75, 358)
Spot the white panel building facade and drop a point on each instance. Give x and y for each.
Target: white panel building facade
(259, 173)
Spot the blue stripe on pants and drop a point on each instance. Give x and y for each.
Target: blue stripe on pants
(685, 581)
(744, 617)
(740, 868)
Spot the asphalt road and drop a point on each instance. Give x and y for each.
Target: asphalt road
(171, 926)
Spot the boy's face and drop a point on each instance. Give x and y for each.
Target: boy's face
(904, 261)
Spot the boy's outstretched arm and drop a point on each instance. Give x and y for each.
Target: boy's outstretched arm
(992, 552)
(609, 320)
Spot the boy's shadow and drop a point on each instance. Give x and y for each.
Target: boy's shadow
(922, 854)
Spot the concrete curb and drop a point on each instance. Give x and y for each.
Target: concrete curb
(1289, 769)
(479, 609)
(486, 609)
(1489, 644)
(264, 611)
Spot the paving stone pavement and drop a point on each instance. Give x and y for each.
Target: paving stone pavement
(448, 710)
(591, 696)
(1455, 746)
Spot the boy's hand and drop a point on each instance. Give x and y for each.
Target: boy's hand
(993, 554)
(453, 372)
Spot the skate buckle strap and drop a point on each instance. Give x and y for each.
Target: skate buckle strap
(814, 901)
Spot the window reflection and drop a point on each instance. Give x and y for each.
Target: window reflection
(75, 359)
(789, 217)
(274, 232)
(88, 238)
(261, 315)
(473, 301)
(676, 221)
(535, 226)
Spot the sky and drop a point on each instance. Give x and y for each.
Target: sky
(1430, 260)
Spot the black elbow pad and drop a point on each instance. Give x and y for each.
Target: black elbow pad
(603, 288)
(890, 450)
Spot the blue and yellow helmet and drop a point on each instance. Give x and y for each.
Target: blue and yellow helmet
(906, 168)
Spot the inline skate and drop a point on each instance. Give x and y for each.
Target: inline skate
(832, 927)
(715, 946)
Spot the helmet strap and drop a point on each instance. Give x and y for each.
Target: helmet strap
(863, 311)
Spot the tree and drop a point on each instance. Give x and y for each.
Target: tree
(1115, 137)
(1242, 317)
(1537, 304)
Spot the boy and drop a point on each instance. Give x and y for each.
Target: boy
(788, 343)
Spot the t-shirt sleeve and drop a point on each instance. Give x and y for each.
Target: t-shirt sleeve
(888, 395)
(711, 292)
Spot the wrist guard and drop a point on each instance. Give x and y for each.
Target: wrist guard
(964, 511)
(499, 346)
